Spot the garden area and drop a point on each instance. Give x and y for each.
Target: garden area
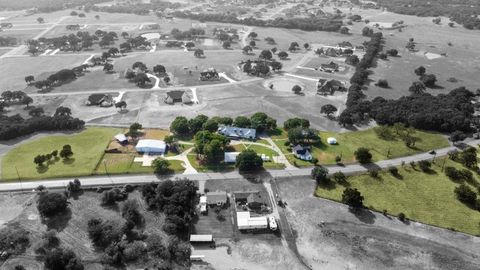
(87, 146)
(349, 142)
(427, 197)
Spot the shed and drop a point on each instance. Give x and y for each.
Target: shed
(231, 157)
(331, 140)
(201, 238)
(121, 138)
(246, 222)
(217, 197)
(151, 146)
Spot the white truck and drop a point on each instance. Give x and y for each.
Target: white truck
(272, 224)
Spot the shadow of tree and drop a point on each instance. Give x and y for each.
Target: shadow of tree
(364, 215)
(58, 222)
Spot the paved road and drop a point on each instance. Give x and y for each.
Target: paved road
(141, 179)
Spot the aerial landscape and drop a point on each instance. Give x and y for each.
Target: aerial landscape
(239, 134)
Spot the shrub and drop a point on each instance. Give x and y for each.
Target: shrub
(382, 83)
(50, 204)
(393, 170)
(131, 213)
(314, 160)
(402, 217)
(457, 136)
(363, 155)
(373, 173)
(465, 194)
(425, 165)
(338, 159)
(339, 177)
(352, 197)
(103, 233)
(14, 240)
(249, 160)
(320, 174)
(134, 251)
(110, 197)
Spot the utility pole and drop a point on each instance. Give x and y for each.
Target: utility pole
(19, 179)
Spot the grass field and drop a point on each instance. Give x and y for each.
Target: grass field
(425, 197)
(349, 142)
(123, 164)
(88, 147)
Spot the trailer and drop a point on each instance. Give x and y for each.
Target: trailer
(246, 222)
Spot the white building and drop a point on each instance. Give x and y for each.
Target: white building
(231, 157)
(151, 146)
(331, 140)
(121, 138)
(246, 222)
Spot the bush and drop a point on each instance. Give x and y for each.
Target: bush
(402, 217)
(465, 194)
(131, 213)
(134, 251)
(393, 170)
(457, 136)
(363, 155)
(425, 165)
(110, 197)
(352, 197)
(320, 174)
(50, 204)
(373, 173)
(248, 160)
(62, 259)
(382, 83)
(339, 177)
(103, 233)
(14, 240)
(161, 166)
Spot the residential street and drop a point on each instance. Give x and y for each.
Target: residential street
(141, 179)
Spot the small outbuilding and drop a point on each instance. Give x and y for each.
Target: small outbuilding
(246, 222)
(121, 138)
(201, 238)
(331, 141)
(151, 146)
(231, 157)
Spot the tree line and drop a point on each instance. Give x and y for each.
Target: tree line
(330, 24)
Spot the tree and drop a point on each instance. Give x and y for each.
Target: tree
(465, 194)
(108, 67)
(274, 50)
(139, 66)
(363, 155)
(424, 165)
(262, 122)
(276, 65)
(429, 80)
(468, 157)
(303, 136)
(50, 204)
(340, 178)
(252, 35)
(352, 60)
(266, 54)
(141, 79)
(296, 89)
(36, 112)
(74, 186)
(283, 55)
(29, 79)
(134, 129)
(27, 100)
(392, 52)
(270, 40)
(242, 122)
(196, 124)
(293, 46)
(211, 125)
(159, 69)
(63, 111)
(420, 71)
(39, 160)
(252, 44)
(124, 35)
(344, 30)
(295, 123)
(213, 151)
(226, 45)
(320, 174)
(382, 83)
(352, 198)
(328, 109)
(73, 13)
(113, 51)
(417, 88)
(367, 32)
(131, 213)
(199, 53)
(122, 105)
(66, 152)
(60, 259)
(247, 50)
(179, 126)
(40, 20)
(248, 161)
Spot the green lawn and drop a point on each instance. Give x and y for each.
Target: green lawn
(123, 164)
(222, 167)
(425, 197)
(349, 142)
(88, 147)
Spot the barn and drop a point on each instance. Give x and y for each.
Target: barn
(151, 146)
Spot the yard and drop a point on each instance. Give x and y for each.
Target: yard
(425, 197)
(124, 164)
(349, 142)
(88, 147)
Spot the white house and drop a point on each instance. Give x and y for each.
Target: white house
(231, 157)
(302, 153)
(148, 146)
(246, 222)
(203, 204)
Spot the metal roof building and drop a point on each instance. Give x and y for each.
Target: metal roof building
(151, 146)
(246, 222)
(201, 238)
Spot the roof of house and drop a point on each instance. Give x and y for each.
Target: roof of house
(244, 220)
(330, 65)
(300, 150)
(175, 94)
(201, 238)
(236, 132)
(151, 144)
(96, 98)
(216, 197)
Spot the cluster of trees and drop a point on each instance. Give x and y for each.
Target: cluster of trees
(58, 78)
(248, 161)
(332, 24)
(46, 5)
(464, 12)
(14, 240)
(210, 147)
(188, 34)
(15, 126)
(135, 7)
(259, 121)
(14, 97)
(50, 204)
(55, 256)
(261, 68)
(7, 41)
(177, 200)
(133, 42)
